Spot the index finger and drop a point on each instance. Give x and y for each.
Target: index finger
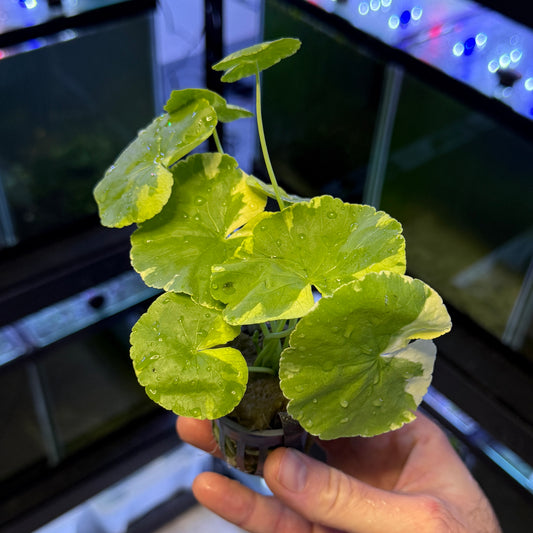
(198, 433)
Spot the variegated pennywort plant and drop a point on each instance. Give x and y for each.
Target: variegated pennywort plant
(346, 331)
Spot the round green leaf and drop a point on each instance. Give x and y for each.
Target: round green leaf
(351, 368)
(256, 58)
(176, 249)
(138, 184)
(225, 112)
(176, 354)
(322, 243)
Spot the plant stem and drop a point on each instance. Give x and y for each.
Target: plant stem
(217, 141)
(262, 141)
(261, 370)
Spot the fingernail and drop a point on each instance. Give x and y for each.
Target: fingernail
(292, 472)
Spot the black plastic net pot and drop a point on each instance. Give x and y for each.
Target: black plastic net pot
(247, 450)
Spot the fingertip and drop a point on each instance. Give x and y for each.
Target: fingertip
(198, 433)
(288, 470)
(207, 484)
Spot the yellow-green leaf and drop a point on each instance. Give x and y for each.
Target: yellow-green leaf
(178, 356)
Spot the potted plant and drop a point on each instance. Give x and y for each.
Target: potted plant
(305, 308)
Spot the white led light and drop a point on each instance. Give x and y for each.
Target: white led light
(375, 5)
(516, 55)
(528, 84)
(416, 13)
(506, 92)
(481, 40)
(363, 8)
(386, 3)
(394, 22)
(493, 66)
(458, 49)
(505, 60)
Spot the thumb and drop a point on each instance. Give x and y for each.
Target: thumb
(326, 496)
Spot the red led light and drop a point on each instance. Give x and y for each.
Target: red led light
(435, 31)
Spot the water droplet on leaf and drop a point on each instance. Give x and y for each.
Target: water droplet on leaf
(228, 287)
(328, 366)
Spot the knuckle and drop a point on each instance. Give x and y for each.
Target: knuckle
(436, 516)
(337, 497)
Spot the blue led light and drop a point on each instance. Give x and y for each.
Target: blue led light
(394, 22)
(405, 17)
(470, 44)
(363, 8)
(33, 44)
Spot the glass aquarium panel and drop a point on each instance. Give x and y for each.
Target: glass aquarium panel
(21, 442)
(91, 385)
(67, 111)
(320, 108)
(460, 183)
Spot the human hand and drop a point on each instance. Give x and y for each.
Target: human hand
(404, 481)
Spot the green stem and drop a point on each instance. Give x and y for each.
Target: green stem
(261, 370)
(217, 141)
(279, 334)
(262, 141)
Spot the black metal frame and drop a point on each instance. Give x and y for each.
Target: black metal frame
(114, 11)
(40, 273)
(30, 502)
(520, 11)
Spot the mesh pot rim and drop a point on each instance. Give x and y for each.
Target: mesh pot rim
(248, 444)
